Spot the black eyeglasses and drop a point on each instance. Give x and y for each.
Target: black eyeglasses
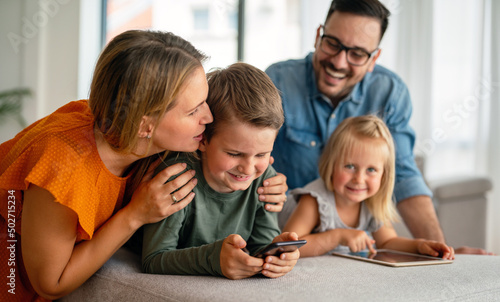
(355, 56)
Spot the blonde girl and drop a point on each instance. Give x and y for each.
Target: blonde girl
(350, 207)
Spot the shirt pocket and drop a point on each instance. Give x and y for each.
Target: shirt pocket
(304, 139)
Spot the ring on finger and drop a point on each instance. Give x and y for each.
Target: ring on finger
(174, 199)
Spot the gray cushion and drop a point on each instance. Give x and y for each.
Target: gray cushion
(325, 278)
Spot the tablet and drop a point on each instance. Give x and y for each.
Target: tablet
(394, 258)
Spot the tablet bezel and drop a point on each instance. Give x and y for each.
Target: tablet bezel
(426, 260)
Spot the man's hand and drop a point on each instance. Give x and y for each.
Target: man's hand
(274, 192)
(472, 251)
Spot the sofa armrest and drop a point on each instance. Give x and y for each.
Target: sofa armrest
(461, 206)
(460, 187)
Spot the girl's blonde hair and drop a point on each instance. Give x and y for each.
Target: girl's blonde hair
(138, 74)
(344, 140)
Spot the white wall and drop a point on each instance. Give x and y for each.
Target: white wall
(10, 59)
(40, 50)
(313, 14)
(494, 135)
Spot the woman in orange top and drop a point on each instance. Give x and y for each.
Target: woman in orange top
(63, 178)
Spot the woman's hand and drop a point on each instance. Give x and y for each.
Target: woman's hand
(157, 198)
(275, 266)
(274, 192)
(234, 262)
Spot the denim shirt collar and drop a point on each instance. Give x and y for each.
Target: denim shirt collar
(355, 96)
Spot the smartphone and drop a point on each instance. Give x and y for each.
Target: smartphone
(276, 248)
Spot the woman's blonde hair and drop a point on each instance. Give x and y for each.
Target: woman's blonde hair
(245, 93)
(138, 74)
(346, 138)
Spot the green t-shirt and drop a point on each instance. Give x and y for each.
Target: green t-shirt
(189, 241)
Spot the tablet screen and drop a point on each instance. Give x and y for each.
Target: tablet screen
(394, 258)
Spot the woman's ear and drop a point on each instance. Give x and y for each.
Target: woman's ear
(146, 127)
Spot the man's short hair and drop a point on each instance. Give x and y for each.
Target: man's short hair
(368, 8)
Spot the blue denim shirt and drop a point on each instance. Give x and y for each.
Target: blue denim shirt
(310, 119)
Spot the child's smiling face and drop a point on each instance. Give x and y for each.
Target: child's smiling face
(236, 155)
(359, 176)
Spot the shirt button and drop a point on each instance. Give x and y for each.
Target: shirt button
(333, 115)
(313, 143)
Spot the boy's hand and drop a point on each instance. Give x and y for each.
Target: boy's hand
(274, 192)
(274, 266)
(234, 262)
(357, 240)
(436, 249)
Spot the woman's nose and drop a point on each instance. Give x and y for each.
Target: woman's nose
(207, 117)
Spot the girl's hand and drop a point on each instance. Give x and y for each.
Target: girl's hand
(356, 240)
(158, 198)
(234, 262)
(274, 192)
(275, 266)
(435, 249)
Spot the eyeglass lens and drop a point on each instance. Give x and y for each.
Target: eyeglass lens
(333, 47)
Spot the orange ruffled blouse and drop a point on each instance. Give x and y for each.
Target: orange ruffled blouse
(57, 153)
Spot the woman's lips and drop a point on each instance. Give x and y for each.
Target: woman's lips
(198, 137)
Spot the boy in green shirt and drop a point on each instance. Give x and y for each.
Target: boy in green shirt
(207, 236)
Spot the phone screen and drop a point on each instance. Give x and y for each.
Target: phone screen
(277, 248)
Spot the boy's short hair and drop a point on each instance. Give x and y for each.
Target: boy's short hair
(243, 93)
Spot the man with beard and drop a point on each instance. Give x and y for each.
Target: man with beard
(338, 80)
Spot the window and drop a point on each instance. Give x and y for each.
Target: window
(208, 25)
(425, 44)
(122, 15)
(437, 47)
(200, 18)
(271, 30)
